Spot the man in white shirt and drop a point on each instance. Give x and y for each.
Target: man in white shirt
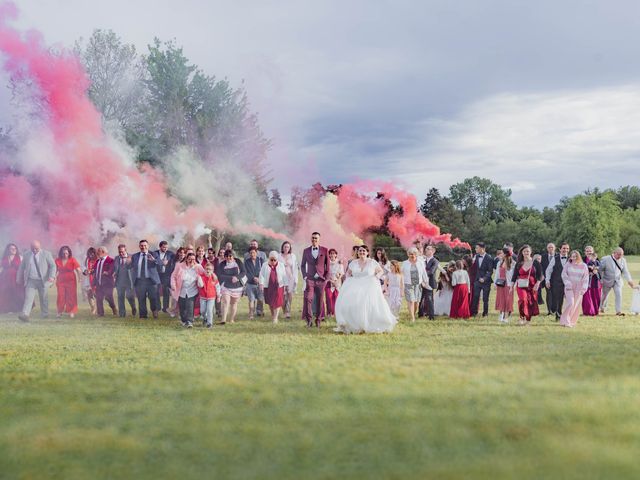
(553, 278)
(37, 272)
(612, 269)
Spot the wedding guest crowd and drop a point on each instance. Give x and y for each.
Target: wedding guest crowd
(202, 283)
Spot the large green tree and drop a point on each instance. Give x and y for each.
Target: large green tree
(630, 231)
(491, 200)
(117, 74)
(592, 219)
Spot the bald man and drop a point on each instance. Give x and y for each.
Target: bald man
(613, 268)
(37, 273)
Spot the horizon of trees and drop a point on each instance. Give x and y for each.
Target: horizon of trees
(161, 102)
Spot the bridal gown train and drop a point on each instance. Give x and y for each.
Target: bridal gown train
(361, 306)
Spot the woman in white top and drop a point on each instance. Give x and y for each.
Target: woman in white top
(414, 276)
(381, 257)
(331, 290)
(272, 281)
(290, 263)
(185, 282)
(461, 286)
(361, 306)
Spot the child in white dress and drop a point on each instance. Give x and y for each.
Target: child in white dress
(394, 286)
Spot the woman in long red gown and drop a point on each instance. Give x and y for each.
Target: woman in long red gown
(11, 294)
(67, 282)
(273, 278)
(527, 276)
(460, 301)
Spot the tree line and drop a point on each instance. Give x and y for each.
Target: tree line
(160, 101)
(477, 209)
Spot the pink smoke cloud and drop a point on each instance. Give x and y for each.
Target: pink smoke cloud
(82, 180)
(361, 210)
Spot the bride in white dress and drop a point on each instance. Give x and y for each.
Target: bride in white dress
(361, 306)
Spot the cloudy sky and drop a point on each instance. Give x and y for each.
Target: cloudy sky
(542, 97)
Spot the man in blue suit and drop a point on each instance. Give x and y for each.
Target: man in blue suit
(164, 258)
(144, 274)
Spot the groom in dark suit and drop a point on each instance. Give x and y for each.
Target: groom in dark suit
(483, 264)
(315, 268)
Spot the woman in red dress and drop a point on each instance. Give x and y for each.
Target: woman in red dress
(89, 271)
(67, 282)
(11, 294)
(273, 278)
(460, 301)
(527, 276)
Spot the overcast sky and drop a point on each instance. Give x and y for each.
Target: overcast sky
(542, 97)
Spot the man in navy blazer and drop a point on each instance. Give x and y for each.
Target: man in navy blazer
(164, 257)
(483, 264)
(144, 274)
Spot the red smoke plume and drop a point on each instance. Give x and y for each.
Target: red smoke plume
(360, 210)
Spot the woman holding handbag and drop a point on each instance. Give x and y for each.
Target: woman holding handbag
(527, 276)
(504, 285)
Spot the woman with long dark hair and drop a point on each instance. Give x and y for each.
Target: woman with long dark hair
(504, 285)
(11, 294)
(290, 262)
(67, 282)
(88, 291)
(527, 276)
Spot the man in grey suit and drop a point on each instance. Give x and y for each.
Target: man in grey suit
(124, 284)
(144, 274)
(37, 273)
(612, 268)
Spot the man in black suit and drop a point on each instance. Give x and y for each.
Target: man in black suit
(546, 258)
(165, 269)
(431, 264)
(553, 278)
(482, 284)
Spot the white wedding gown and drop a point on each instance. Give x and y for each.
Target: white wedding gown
(361, 306)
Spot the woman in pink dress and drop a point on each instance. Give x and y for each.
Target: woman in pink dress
(575, 277)
(527, 276)
(504, 285)
(11, 294)
(592, 298)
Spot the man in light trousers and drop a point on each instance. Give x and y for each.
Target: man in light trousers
(37, 273)
(612, 269)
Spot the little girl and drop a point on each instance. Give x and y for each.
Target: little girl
(336, 272)
(460, 300)
(209, 289)
(394, 286)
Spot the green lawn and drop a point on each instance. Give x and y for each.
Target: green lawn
(116, 398)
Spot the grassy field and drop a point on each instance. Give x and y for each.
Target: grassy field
(114, 398)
